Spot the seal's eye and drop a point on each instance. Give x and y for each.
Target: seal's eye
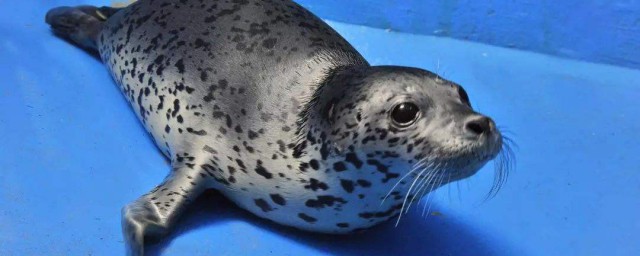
(463, 96)
(404, 114)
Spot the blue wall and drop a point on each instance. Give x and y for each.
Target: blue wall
(606, 31)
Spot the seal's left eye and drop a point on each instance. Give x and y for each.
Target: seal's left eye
(404, 114)
(463, 96)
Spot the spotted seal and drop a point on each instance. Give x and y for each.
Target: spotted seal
(264, 102)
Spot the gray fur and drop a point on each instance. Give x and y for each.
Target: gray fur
(264, 102)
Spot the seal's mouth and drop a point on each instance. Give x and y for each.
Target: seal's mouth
(449, 167)
(468, 159)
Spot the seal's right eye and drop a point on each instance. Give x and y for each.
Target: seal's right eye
(405, 114)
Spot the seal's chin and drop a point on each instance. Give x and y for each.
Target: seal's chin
(466, 171)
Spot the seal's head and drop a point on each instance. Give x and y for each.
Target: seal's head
(403, 122)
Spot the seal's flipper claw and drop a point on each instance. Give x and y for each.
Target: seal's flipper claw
(105, 12)
(140, 221)
(76, 24)
(152, 216)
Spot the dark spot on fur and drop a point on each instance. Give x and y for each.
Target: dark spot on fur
(180, 66)
(339, 166)
(347, 185)
(263, 172)
(264, 206)
(353, 159)
(200, 132)
(364, 183)
(314, 164)
(315, 184)
(387, 213)
(278, 199)
(307, 218)
(342, 225)
(252, 135)
(269, 43)
(324, 201)
(383, 169)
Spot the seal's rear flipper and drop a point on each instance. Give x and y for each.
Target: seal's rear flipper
(152, 216)
(81, 24)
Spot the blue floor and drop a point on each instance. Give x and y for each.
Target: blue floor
(72, 154)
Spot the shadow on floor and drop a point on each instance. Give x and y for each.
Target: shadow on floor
(434, 235)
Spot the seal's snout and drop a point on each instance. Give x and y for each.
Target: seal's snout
(482, 134)
(479, 125)
(483, 131)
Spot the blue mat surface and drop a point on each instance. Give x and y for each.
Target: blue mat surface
(72, 153)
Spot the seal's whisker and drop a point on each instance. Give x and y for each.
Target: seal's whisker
(458, 191)
(508, 156)
(497, 179)
(437, 71)
(432, 185)
(427, 180)
(428, 195)
(396, 185)
(427, 207)
(422, 184)
(404, 202)
(418, 188)
(417, 166)
(505, 131)
(448, 187)
(509, 143)
(503, 164)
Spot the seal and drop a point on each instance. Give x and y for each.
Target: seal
(264, 102)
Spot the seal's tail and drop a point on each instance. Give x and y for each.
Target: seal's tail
(81, 25)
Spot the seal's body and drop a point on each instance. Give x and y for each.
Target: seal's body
(264, 102)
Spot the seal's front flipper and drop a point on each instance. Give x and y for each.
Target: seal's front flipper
(152, 216)
(81, 24)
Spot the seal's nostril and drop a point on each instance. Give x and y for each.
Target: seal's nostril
(479, 126)
(475, 128)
